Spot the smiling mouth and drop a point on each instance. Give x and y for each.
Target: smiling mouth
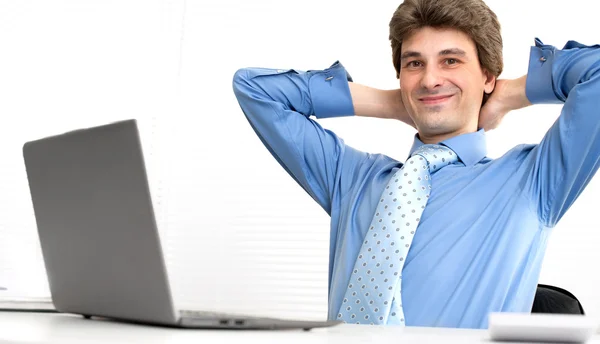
(435, 99)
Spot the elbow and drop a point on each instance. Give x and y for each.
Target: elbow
(246, 92)
(240, 82)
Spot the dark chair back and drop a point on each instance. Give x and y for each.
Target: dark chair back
(551, 299)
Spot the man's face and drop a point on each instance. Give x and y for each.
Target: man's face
(442, 83)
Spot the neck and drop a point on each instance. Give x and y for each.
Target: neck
(437, 138)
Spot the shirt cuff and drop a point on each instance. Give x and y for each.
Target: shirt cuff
(330, 93)
(539, 87)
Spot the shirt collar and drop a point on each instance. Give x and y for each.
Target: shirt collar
(470, 148)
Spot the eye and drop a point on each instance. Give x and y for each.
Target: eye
(414, 64)
(451, 61)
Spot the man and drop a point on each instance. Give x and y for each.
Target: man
(450, 235)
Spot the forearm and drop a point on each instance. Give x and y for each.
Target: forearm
(516, 95)
(278, 105)
(568, 156)
(560, 70)
(376, 103)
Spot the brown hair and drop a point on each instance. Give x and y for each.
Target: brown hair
(473, 17)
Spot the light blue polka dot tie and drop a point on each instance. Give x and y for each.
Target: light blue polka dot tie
(373, 295)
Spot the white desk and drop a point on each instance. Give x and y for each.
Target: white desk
(60, 328)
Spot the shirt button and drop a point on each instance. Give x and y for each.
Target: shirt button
(329, 78)
(543, 58)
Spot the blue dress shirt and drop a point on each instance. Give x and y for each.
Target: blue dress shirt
(484, 232)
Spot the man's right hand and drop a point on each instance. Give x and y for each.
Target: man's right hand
(372, 102)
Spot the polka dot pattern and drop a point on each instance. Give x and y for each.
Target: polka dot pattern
(373, 295)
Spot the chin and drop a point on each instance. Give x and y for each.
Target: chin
(431, 128)
(437, 124)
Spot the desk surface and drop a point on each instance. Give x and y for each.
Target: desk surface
(17, 327)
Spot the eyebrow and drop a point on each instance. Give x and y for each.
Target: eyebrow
(451, 51)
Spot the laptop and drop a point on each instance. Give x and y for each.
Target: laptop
(99, 237)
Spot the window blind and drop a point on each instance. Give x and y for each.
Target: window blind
(76, 64)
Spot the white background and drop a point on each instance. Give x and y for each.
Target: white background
(67, 64)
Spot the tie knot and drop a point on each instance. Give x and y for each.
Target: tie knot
(437, 156)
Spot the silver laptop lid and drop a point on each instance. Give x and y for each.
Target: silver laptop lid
(96, 224)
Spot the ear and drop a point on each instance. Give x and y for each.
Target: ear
(490, 82)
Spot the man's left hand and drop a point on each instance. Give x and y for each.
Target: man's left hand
(508, 95)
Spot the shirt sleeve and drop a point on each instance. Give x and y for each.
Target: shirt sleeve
(568, 156)
(278, 105)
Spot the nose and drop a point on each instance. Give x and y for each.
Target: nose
(432, 77)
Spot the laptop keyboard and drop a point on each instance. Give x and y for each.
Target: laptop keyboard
(202, 314)
(222, 319)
